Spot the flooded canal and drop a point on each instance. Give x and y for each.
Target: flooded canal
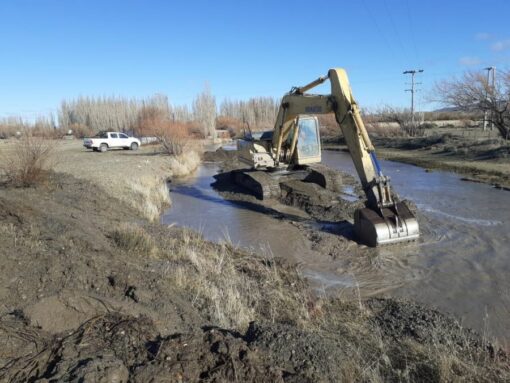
(460, 265)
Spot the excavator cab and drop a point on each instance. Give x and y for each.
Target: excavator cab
(308, 148)
(303, 142)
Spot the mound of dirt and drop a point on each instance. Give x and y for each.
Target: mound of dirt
(120, 348)
(319, 203)
(221, 155)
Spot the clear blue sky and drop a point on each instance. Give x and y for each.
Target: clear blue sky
(53, 50)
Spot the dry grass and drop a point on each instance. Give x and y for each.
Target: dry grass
(185, 163)
(134, 239)
(232, 287)
(28, 161)
(147, 194)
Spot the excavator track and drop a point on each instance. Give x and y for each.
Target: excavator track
(268, 185)
(264, 185)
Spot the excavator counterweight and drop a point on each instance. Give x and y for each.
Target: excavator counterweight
(295, 144)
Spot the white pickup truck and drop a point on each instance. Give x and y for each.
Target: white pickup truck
(104, 141)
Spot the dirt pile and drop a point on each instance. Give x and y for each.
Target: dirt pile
(120, 348)
(221, 155)
(392, 341)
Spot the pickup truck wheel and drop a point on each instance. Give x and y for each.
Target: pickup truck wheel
(134, 146)
(103, 148)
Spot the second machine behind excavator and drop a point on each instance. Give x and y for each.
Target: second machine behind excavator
(294, 144)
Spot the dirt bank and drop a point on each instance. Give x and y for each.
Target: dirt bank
(481, 160)
(92, 291)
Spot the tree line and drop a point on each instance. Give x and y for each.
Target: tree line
(124, 114)
(471, 93)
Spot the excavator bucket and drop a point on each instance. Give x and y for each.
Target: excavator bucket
(391, 225)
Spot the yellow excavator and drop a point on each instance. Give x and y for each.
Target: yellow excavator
(294, 145)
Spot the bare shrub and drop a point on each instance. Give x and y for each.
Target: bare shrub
(401, 117)
(328, 125)
(384, 129)
(149, 121)
(174, 137)
(29, 161)
(194, 130)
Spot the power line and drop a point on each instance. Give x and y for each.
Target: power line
(395, 30)
(374, 22)
(413, 40)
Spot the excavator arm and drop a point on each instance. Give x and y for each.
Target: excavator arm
(385, 219)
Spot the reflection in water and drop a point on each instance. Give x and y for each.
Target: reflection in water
(461, 264)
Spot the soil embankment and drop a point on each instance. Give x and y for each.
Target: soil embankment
(92, 291)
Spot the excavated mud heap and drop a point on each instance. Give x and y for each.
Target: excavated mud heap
(121, 348)
(228, 158)
(319, 203)
(318, 194)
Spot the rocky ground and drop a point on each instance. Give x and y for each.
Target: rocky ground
(92, 291)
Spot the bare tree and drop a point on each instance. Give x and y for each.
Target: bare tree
(400, 116)
(109, 113)
(260, 112)
(204, 111)
(472, 91)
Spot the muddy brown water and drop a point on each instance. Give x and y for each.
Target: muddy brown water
(460, 265)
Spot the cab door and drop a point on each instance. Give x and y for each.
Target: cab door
(308, 143)
(114, 141)
(124, 140)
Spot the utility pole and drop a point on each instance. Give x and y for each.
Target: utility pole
(413, 72)
(489, 70)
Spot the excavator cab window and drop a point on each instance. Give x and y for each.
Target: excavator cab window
(308, 144)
